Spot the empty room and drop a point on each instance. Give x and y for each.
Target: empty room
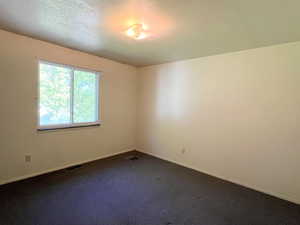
(149, 112)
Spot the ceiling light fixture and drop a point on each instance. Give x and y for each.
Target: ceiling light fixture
(137, 31)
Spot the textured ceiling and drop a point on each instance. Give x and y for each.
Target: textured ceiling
(179, 29)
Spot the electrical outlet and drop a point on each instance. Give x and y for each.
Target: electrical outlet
(183, 150)
(27, 158)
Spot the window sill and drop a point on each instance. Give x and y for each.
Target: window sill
(68, 127)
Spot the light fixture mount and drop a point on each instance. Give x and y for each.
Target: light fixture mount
(137, 31)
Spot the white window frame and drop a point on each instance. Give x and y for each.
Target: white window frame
(71, 124)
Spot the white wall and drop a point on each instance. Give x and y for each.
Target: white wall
(18, 110)
(237, 115)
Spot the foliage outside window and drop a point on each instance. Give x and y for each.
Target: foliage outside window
(68, 96)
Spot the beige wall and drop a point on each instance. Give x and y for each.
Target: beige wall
(18, 110)
(236, 116)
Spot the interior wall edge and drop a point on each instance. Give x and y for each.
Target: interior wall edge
(14, 179)
(253, 187)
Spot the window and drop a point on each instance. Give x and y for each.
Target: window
(68, 96)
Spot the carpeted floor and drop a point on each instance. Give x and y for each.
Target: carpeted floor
(147, 191)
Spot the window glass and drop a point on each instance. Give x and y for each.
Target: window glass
(67, 96)
(85, 98)
(55, 95)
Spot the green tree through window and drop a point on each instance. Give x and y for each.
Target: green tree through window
(68, 96)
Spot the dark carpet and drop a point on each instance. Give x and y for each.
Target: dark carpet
(144, 191)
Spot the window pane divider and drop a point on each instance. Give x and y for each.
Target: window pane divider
(97, 96)
(72, 97)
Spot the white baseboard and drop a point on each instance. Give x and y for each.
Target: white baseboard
(277, 195)
(14, 179)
